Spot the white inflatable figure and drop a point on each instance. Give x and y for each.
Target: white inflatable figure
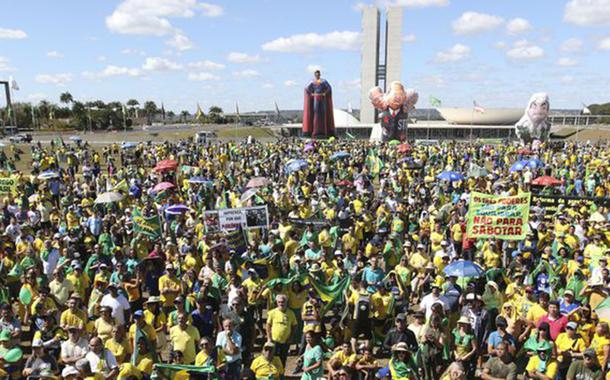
(534, 127)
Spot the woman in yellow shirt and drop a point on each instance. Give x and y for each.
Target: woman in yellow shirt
(601, 343)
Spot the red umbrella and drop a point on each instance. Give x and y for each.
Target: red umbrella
(345, 183)
(546, 180)
(403, 148)
(163, 186)
(166, 165)
(525, 151)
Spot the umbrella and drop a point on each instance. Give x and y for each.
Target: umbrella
(403, 148)
(546, 180)
(450, 176)
(183, 153)
(128, 145)
(464, 268)
(308, 147)
(48, 175)
(603, 309)
(597, 217)
(535, 163)
(340, 155)
(295, 165)
(34, 197)
(525, 151)
(108, 197)
(518, 166)
(248, 194)
(166, 165)
(345, 183)
(163, 186)
(200, 180)
(75, 138)
(394, 143)
(177, 209)
(478, 171)
(258, 182)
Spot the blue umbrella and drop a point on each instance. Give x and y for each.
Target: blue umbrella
(177, 209)
(128, 145)
(75, 138)
(450, 176)
(518, 166)
(535, 163)
(201, 180)
(464, 268)
(48, 175)
(340, 155)
(295, 165)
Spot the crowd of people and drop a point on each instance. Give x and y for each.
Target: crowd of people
(346, 282)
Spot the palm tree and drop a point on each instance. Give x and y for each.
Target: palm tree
(184, 115)
(151, 109)
(133, 104)
(66, 98)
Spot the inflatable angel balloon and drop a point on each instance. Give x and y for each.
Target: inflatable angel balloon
(394, 105)
(534, 126)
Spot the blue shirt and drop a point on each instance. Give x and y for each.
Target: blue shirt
(372, 277)
(495, 339)
(222, 342)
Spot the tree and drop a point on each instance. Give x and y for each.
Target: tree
(215, 115)
(133, 105)
(215, 110)
(150, 109)
(66, 98)
(184, 115)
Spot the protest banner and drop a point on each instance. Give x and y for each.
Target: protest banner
(232, 218)
(8, 185)
(496, 216)
(551, 203)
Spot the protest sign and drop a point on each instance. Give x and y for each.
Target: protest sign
(496, 216)
(233, 218)
(8, 185)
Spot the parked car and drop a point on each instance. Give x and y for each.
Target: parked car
(21, 138)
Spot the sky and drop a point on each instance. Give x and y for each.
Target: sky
(257, 52)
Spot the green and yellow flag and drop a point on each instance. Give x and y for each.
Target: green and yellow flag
(330, 294)
(121, 186)
(374, 163)
(149, 226)
(435, 102)
(199, 114)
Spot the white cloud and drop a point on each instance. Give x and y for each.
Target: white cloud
(267, 85)
(56, 79)
(202, 76)
(206, 65)
(587, 12)
(54, 54)
(248, 73)
(129, 51)
(112, 71)
(160, 64)
(180, 42)
(37, 96)
(237, 57)
(102, 58)
(523, 50)
(604, 44)
(571, 45)
(303, 43)
(359, 6)
(518, 26)
(12, 34)
(4, 65)
(415, 3)
(312, 68)
(349, 84)
(566, 62)
(409, 38)
(152, 17)
(474, 22)
(290, 83)
(457, 53)
(566, 79)
(500, 45)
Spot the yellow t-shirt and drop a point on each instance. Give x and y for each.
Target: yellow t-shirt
(535, 313)
(598, 343)
(185, 341)
(264, 369)
(346, 360)
(76, 319)
(282, 323)
(120, 350)
(565, 343)
(551, 366)
(165, 282)
(104, 329)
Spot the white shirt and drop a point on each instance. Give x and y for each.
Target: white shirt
(99, 366)
(118, 306)
(70, 349)
(429, 300)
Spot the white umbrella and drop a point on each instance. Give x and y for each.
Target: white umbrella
(48, 175)
(248, 194)
(108, 197)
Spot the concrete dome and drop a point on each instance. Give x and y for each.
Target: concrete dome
(343, 118)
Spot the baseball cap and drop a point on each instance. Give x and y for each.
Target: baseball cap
(572, 325)
(400, 317)
(589, 353)
(138, 313)
(69, 371)
(5, 335)
(36, 343)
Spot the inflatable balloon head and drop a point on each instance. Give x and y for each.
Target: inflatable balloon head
(396, 96)
(393, 104)
(376, 96)
(534, 127)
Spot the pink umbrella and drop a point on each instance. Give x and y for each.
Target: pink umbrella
(166, 165)
(258, 182)
(163, 186)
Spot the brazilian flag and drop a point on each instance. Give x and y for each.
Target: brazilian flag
(374, 163)
(149, 226)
